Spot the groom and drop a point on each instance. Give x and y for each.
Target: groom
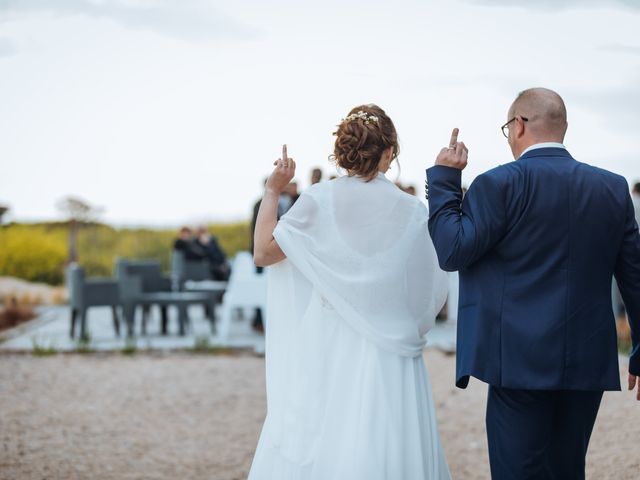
(536, 242)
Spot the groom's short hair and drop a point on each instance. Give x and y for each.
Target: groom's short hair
(636, 188)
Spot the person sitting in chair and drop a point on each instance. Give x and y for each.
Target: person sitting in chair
(185, 244)
(214, 254)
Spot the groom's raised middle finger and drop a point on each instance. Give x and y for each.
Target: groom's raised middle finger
(454, 138)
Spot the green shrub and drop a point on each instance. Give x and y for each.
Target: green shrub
(34, 253)
(38, 252)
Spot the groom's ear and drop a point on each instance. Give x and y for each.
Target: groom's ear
(520, 126)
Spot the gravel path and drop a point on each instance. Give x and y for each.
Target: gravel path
(154, 416)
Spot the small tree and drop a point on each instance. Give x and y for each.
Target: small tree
(78, 213)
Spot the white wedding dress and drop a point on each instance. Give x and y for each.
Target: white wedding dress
(348, 397)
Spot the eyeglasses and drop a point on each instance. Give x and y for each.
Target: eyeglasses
(505, 127)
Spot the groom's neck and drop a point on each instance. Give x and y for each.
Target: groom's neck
(534, 140)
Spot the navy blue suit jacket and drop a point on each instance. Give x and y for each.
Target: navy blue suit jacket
(536, 242)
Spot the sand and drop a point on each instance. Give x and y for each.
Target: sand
(183, 416)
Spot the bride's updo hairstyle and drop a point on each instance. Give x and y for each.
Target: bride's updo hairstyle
(361, 138)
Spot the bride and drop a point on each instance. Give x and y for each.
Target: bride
(354, 286)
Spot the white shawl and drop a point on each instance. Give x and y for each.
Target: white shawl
(365, 247)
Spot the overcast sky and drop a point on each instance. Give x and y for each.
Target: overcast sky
(172, 112)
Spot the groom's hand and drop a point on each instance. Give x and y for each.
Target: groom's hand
(633, 380)
(455, 155)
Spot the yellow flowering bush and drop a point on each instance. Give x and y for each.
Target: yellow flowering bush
(38, 252)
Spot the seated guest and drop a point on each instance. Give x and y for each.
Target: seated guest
(217, 258)
(316, 176)
(187, 246)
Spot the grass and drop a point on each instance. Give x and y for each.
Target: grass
(130, 347)
(83, 345)
(41, 350)
(201, 345)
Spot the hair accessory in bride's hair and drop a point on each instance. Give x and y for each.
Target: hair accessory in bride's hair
(362, 115)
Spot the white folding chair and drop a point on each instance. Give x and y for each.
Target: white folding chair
(246, 290)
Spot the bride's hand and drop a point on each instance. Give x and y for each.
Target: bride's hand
(455, 155)
(282, 174)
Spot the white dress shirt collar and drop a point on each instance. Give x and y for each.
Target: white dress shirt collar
(535, 146)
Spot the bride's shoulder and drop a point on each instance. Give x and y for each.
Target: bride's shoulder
(418, 209)
(412, 201)
(314, 196)
(421, 210)
(317, 190)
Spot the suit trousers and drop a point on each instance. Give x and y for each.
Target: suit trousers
(539, 434)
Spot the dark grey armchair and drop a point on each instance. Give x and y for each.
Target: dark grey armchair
(195, 276)
(85, 293)
(137, 279)
(142, 284)
(183, 270)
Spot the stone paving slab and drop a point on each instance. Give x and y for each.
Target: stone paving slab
(51, 331)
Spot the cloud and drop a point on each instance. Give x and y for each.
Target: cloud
(619, 106)
(620, 48)
(187, 19)
(552, 5)
(7, 48)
